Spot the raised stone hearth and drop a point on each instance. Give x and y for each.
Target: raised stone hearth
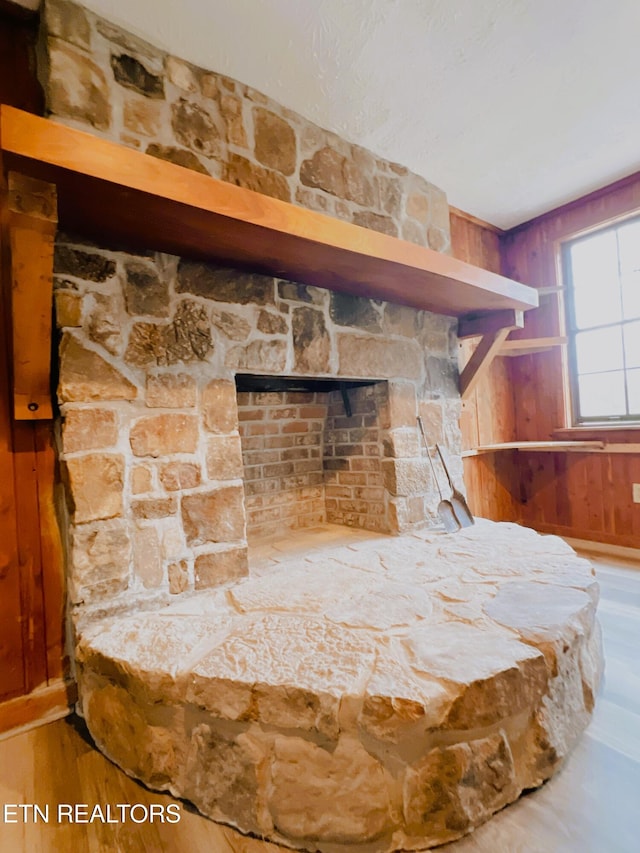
(369, 693)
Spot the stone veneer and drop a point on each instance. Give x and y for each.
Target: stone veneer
(152, 344)
(100, 78)
(151, 449)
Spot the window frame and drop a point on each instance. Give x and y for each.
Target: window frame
(591, 421)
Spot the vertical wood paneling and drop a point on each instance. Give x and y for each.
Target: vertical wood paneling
(31, 567)
(587, 496)
(488, 414)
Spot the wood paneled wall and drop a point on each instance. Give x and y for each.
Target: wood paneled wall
(581, 495)
(586, 496)
(488, 415)
(31, 568)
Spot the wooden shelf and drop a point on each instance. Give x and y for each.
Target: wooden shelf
(117, 194)
(539, 447)
(528, 346)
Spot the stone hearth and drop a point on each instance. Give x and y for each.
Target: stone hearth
(368, 693)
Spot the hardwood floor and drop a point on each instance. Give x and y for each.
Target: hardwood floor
(591, 806)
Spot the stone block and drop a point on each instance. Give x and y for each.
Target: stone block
(196, 128)
(224, 284)
(215, 516)
(96, 483)
(375, 222)
(176, 476)
(295, 292)
(68, 307)
(442, 377)
(131, 73)
(418, 207)
(219, 406)
(77, 87)
(162, 435)
(90, 266)
(86, 376)
(224, 457)
(454, 788)
(144, 290)
(272, 324)
(325, 171)
(502, 677)
(438, 239)
(275, 141)
(147, 558)
(231, 111)
(400, 320)
(153, 58)
(186, 339)
(348, 310)
(243, 173)
(262, 356)
(403, 443)
(233, 786)
(178, 156)
(99, 561)
(311, 341)
(104, 322)
(171, 391)
(141, 481)
(182, 74)
(413, 232)
(340, 796)
(178, 575)
(69, 22)
(89, 429)
(154, 508)
(390, 194)
(403, 406)
(377, 358)
(431, 412)
(231, 325)
(404, 477)
(219, 567)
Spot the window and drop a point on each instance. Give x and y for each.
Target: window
(602, 274)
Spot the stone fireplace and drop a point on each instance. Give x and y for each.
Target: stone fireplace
(322, 696)
(203, 405)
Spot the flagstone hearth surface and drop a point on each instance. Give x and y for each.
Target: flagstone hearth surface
(364, 693)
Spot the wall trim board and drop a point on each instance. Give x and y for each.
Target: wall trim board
(605, 549)
(43, 705)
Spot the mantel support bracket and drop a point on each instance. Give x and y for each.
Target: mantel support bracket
(493, 330)
(31, 221)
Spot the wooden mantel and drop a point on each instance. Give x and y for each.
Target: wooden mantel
(113, 193)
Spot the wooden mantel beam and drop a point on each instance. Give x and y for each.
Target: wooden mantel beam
(111, 192)
(31, 222)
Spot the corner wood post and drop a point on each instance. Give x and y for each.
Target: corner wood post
(31, 221)
(494, 329)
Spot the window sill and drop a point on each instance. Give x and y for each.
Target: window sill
(618, 433)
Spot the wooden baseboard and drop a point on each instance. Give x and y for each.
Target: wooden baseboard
(37, 708)
(632, 554)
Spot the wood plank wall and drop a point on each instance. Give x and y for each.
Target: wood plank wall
(31, 567)
(488, 415)
(580, 495)
(586, 496)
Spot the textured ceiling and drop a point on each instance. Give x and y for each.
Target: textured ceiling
(511, 106)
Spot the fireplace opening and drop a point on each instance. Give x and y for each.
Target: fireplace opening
(312, 452)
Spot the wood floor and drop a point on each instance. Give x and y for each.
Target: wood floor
(591, 806)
